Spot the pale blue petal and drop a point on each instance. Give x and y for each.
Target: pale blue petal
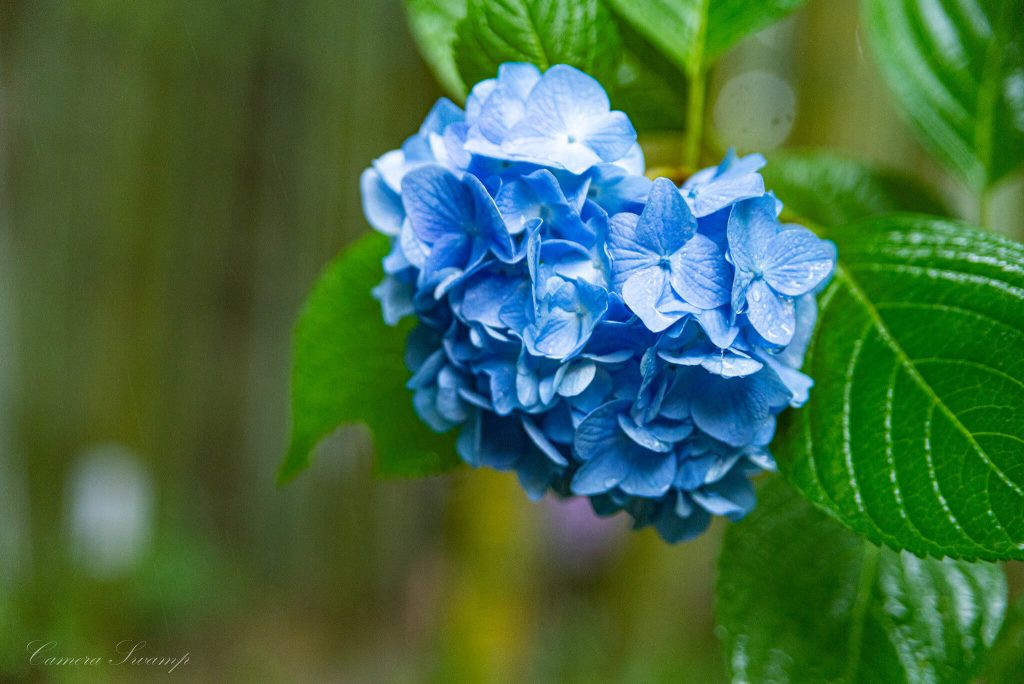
(574, 378)
(806, 314)
(716, 325)
(628, 254)
(796, 261)
(616, 190)
(611, 135)
(700, 274)
(633, 161)
(381, 204)
(730, 364)
(772, 315)
(395, 297)
(752, 225)
(645, 294)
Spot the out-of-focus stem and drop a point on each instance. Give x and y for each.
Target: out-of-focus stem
(695, 117)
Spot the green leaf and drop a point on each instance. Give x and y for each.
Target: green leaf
(831, 189)
(958, 70)
(1005, 662)
(914, 431)
(693, 33)
(648, 87)
(581, 33)
(799, 598)
(432, 23)
(349, 368)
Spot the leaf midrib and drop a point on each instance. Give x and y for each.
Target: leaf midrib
(908, 364)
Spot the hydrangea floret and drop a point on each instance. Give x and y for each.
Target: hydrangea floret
(598, 333)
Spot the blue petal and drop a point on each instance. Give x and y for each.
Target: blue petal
(611, 135)
(693, 471)
(675, 405)
(669, 432)
(539, 195)
(493, 441)
(681, 521)
(570, 261)
(752, 225)
(574, 378)
(648, 294)
(666, 222)
(796, 382)
(437, 203)
(441, 115)
(541, 441)
(732, 497)
(600, 474)
(709, 190)
(486, 291)
(381, 204)
(395, 297)
(642, 436)
(487, 221)
(772, 315)
(628, 254)
(633, 161)
(600, 430)
(650, 475)
(425, 403)
(732, 409)
(567, 123)
(501, 373)
(450, 252)
(796, 261)
(573, 310)
(806, 313)
(716, 325)
(392, 167)
(730, 363)
(700, 274)
(616, 190)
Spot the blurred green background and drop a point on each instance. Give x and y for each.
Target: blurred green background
(174, 175)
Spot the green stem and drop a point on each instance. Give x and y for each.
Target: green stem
(696, 91)
(861, 604)
(696, 76)
(985, 208)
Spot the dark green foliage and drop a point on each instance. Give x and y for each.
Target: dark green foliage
(349, 368)
(957, 68)
(800, 598)
(913, 432)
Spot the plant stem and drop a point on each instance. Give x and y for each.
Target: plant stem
(696, 76)
(861, 604)
(985, 208)
(696, 88)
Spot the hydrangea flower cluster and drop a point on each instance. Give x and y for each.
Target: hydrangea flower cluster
(599, 333)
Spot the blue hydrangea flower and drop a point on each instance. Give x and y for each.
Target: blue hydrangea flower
(598, 333)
